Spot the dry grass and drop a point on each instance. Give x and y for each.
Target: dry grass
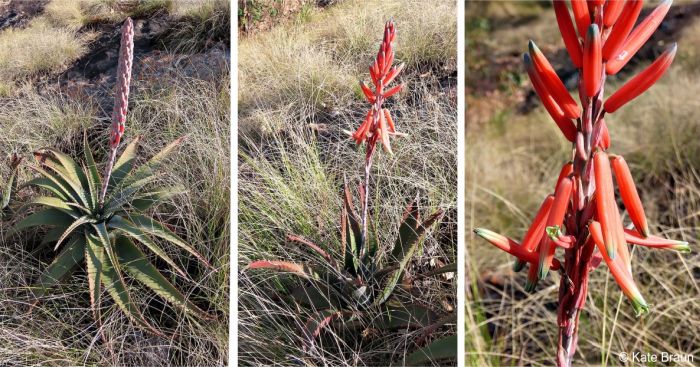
(40, 47)
(513, 161)
(305, 73)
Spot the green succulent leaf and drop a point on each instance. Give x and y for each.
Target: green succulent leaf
(50, 185)
(7, 191)
(72, 227)
(408, 249)
(143, 202)
(115, 286)
(406, 316)
(47, 217)
(444, 348)
(130, 229)
(135, 263)
(56, 203)
(94, 258)
(156, 229)
(124, 164)
(72, 255)
(147, 169)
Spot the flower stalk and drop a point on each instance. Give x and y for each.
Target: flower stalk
(121, 99)
(583, 221)
(378, 125)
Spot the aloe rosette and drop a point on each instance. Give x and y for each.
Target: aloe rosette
(102, 220)
(582, 219)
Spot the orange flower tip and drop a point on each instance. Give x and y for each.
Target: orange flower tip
(610, 249)
(681, 246)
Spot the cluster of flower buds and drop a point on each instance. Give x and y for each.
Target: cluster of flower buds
(121, 98)
(582, 216)
(378, 124)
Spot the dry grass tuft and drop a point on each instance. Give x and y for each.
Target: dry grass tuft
(38, 48)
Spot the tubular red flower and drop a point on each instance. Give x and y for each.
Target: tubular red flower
(562, 195)
(367, 92)
(581, 16)
(622, 29)
(655, 242)
(568, 33)
(592, 61)
(536, 231)
(605, 201)
(619, 273)
(637, 38)
(642, 81)
(566, 126)
(512, 247)
(630, 197)
(604, 135)
(553, 84)
(611, 12)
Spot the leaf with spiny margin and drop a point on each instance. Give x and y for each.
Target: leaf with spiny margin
(145, 201)
(135, 263)
(125, 163)
(72, 227)
(406, 316)
(409, 249)
(94, 257)
(58, 180)
(147, 169)
(71, 173)
(439, 349)
(115, 286)
(106, 241)
(407, 232)
(72, 255)
(50, 185)
(7, 191)
(121, 196)
(132, 231)
(156, 229)
(449, 268)
(55, 203)
(47, 217)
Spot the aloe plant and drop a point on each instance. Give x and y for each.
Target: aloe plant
(359, 284)
(358, 288)
(104, 235)
(100, 219)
